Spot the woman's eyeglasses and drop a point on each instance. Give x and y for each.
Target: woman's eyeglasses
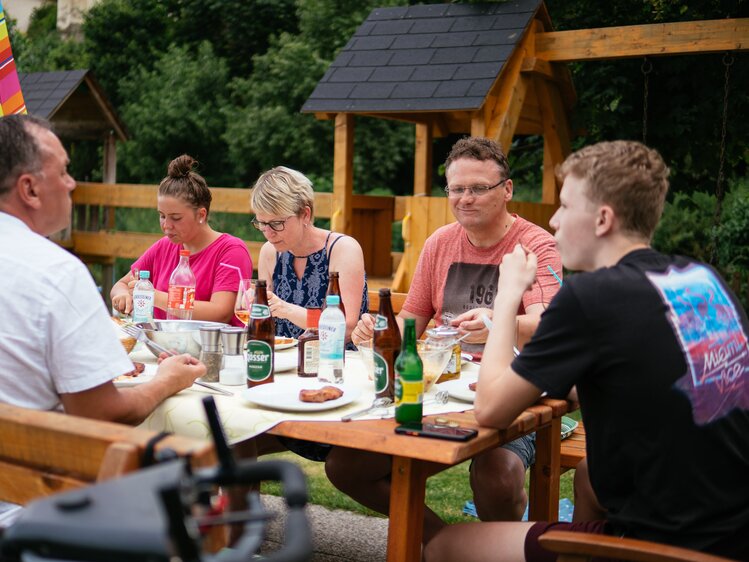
(275, 226)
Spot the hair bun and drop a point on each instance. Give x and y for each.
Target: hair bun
(181, 166)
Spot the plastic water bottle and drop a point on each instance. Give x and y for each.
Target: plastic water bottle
(181, 298)
(332, 330)
(143, 298)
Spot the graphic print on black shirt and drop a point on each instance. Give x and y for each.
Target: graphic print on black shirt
(710, 333)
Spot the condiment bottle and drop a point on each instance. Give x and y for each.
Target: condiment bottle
(235, 368)
(181, 296)
(261, 339)
(387, 344)
(409, 377)
(447, 336)
(210, 352)
(308, 348)
(334, 289)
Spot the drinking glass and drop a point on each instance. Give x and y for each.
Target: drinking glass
(245, 298)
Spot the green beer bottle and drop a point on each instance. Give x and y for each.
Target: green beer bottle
(409, 378)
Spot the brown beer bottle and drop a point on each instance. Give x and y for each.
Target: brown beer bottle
(387, 345)
(308, 348)
(261, 339)
(334, 289)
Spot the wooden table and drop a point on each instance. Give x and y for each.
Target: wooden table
(415, 459)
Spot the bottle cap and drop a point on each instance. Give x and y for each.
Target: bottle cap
(184, 252)
(333, 299)
(313, 317)
(144, 274)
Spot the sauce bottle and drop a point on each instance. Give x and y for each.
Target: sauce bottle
(308, 348)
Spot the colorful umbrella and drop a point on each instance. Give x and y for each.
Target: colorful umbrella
(11, 98)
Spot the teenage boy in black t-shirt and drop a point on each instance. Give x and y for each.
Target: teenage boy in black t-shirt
(657, 348)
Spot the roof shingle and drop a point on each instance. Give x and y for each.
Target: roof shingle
(424, 57)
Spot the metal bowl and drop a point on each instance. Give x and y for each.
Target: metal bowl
(182, 336)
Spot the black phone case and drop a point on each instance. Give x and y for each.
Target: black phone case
(437, 431)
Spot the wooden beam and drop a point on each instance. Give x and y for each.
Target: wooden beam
(423, 160)
(343, 173)
(679, 38)
(509, 92)
(557, 143)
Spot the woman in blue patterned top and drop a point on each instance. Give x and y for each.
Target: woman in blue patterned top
(298, 256)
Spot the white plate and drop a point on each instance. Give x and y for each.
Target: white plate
(458, 388)
(285, 361)
(286, 344)
(147, 375)
(284, 395)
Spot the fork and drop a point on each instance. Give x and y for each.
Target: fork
(440, 398)
(141, 336)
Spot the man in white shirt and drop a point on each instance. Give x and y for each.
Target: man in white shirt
(57, 347)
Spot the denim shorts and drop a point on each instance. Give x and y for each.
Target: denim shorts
(524, 447)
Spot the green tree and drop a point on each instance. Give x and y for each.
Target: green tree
(173, 109)
(266, 128)
(123, 36)
(237, 29)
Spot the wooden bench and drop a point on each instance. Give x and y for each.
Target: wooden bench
(573, 449)
(42, 453)
(580, 547)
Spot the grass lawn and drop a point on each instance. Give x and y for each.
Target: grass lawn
(447, 491)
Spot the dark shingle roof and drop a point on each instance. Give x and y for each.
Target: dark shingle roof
(426, 57)
(44, 92)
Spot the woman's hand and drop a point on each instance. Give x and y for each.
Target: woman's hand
(279, 308)
(122, 294)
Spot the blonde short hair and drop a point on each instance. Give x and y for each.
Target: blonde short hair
(628, 176)
(282, 191)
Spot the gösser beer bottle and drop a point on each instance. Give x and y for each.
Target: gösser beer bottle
(261, 339)
(334, 288)
(386, 344)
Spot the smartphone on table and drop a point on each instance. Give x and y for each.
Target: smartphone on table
(437, 431)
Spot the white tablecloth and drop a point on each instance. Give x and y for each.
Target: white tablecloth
(183, 413)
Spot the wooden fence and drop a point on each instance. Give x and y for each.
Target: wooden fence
(94, 238)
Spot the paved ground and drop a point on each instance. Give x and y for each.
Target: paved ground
(337, 535)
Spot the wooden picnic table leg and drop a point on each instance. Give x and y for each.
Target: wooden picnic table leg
(544, 482)
(406, 525)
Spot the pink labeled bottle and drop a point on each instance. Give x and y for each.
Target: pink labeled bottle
(181, 297)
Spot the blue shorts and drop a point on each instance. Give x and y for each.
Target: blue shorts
(524, 447)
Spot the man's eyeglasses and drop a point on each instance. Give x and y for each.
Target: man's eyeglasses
(275, 226)
(477, 190)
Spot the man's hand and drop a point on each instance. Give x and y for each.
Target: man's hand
(517, 272)
(364, 329)
(472, 322)
(182, 370)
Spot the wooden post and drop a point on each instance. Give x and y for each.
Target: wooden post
(423, 160)
(343, 174)
(557, 144)
(108, 219)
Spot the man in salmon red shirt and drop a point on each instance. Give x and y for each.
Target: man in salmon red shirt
(455, 282)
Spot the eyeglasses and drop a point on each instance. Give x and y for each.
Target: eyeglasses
(478, 190)
(275, 226)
